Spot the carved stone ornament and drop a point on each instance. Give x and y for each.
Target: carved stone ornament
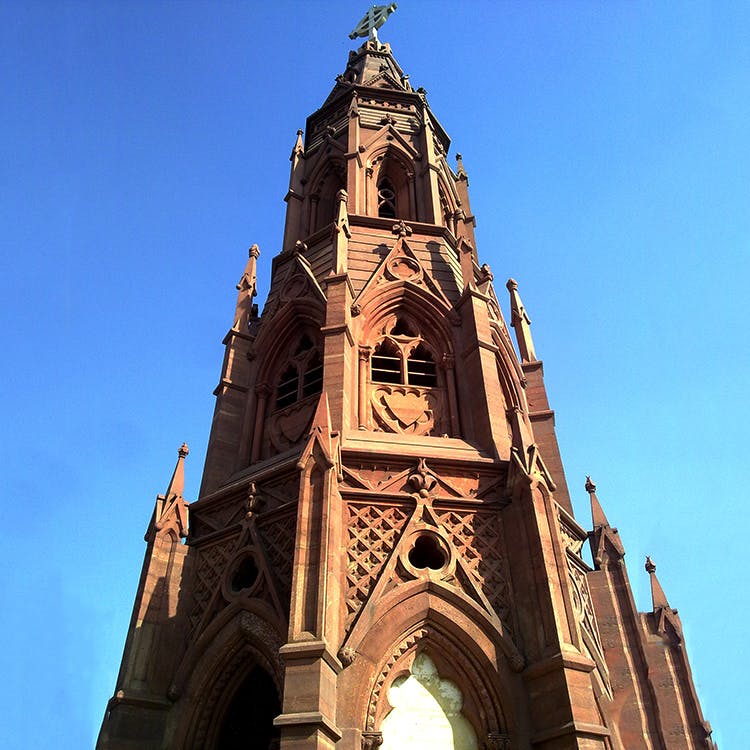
(401, 229)
(371, 740)
(403, 268)
(289, 426)
(347, 655)
(422, 479)
(296, 287)
(406, 409)
(497, 741)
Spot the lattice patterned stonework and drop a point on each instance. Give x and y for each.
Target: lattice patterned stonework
(373, 532)
(478, 539)
(212, 562)
(278, 541)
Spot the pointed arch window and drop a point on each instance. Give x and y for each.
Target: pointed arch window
(286, 392)
(312, 381)
(402, 357)
(386, 363)
(302, 375)
(386, 199)
(420, 368)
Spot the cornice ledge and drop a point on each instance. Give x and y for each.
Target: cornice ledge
(141, 700)
(311, 719)
(568, 660)
(334, 330)
(224, 383)
(542, 414)
(532, 365)
(571, 727)
(310, 650)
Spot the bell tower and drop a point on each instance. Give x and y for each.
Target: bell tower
(383, 552)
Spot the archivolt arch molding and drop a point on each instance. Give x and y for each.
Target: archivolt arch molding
(327, 178)
(295, 319)
(483, 679)
(245, 635)
(427, 311)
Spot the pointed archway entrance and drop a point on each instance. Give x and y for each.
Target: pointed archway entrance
(248, 721)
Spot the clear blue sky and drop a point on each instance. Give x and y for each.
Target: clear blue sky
(145, 146)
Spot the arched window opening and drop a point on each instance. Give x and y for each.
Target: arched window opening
(447, 211)
(286, 393)
(312, 381)
(427, 712)
(386, 363)
(302, 374)
(325, 196)
(386, 199)
(248, 721)
(421, 369)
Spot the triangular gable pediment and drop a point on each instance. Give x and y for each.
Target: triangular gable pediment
(387, 135)
(383, 80)
(401, 266)
(293, 282)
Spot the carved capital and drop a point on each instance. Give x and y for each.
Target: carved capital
(448, 361)
(371, 740)
(263, 390)
(347, 655)
(364, 353)
(497, 741)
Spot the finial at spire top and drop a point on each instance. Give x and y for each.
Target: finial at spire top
(650, 565)
(589, 486)
(183, 450)
(375, 17)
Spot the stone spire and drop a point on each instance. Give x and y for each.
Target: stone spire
(658, 597)
(177, 483)
(170, 511)
(598, 519)
(521, 323)
(605, 540)
(246, 291)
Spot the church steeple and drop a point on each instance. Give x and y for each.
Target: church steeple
(383, 536)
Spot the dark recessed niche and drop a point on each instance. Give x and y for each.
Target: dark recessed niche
(245, 575)
(427, 553)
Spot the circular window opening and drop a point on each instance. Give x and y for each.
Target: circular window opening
(427, 553)
(245, 575)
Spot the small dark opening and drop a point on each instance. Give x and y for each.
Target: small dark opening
(426, 553)
(286, 393)
(245, 575)
(402, 328)
(304, 344)
(248, 722)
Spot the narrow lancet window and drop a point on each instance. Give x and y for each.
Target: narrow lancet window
(421, 368)
(286, 393)
(386, 199)
(386, 364)
(312, 381)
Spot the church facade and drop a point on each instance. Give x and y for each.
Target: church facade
(383, 553)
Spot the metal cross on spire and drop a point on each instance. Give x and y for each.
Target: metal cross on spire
(375, 17)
